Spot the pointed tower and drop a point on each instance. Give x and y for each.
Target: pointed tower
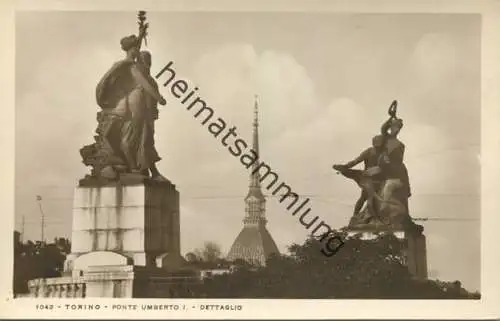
(254, 244)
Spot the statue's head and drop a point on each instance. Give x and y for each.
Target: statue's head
(129, 45)
(395, 126)
(378, 141)
(145, 58)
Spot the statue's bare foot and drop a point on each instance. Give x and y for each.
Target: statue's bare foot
(120, 168)
(137, 172)
(108, 172)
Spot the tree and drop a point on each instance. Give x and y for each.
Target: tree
(362, 269)
(211, 252)
(38, 260)
(191, 257)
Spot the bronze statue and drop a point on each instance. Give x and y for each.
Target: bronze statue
(147, 154)
(384, 181)
(370, 178)
(395, 167)
(128, 97)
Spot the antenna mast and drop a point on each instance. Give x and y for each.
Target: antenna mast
(39, 200)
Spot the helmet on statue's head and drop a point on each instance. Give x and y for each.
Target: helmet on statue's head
(129, 43)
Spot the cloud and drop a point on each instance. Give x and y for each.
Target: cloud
(434, 58)
(231, 75)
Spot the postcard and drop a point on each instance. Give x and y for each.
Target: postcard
(281, 159)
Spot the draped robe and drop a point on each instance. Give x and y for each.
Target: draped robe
(125, 94)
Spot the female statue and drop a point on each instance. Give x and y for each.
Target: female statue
(394, 168)
(128, 96)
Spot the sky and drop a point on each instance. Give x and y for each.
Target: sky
(324, 82)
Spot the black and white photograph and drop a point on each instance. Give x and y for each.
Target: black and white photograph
(180, 156)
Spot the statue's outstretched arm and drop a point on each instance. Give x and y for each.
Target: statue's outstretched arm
(356, 161)
(143, 81)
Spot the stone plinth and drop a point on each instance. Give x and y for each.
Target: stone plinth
(139, 221)
(117, 281)
(61, 287)
(112, 281)
(158, 283)
(415, 251)
(125, 244)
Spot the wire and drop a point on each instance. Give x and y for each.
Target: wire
(447, 150)
(48, 223)
(454, 219)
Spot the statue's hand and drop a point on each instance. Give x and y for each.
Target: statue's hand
(339, 167)
(162, 101)
(372, 171)
(393, 109)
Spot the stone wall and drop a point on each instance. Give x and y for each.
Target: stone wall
(117, 281)
(60, 287)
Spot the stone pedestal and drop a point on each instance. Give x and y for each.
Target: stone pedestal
(415, 251)
(417, 255)
(112, 281)
(117, 281)
(138, 221)
(125, 244)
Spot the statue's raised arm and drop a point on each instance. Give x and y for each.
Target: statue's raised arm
(143, 29)
(392, 113)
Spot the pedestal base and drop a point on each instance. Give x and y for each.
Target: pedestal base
(139, 221)
(415, 251)
(118, 281)
(109, 281)
(125, 243)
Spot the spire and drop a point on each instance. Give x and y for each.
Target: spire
(254, 244)
(255, 200)
(254, 175)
